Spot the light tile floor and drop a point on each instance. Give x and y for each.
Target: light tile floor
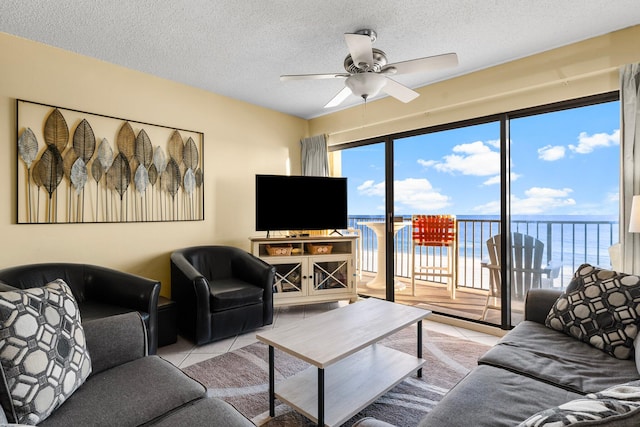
(184, 353)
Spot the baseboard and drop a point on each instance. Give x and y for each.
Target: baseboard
(473, 326)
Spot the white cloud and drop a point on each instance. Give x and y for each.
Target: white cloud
(538, 200)
(411, 195)
(426, 163)
(492, 181)
(545, 193)
(370, 188)
(475, 158)
(588, 143)
(471, 148)
(551, 153)
(418, 195)
(608, 205)
(491, 208)
(495, 180)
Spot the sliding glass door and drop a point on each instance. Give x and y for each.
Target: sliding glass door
(449, 182)
(364, 166)
(564, 195)
(534, 194)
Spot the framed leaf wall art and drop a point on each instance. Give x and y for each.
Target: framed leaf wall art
(79, 167)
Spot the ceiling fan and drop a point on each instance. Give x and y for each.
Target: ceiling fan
(368, 72)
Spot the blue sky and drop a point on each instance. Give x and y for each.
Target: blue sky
(562, 163)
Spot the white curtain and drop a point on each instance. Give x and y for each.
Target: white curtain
(315, 160)
(630, 149)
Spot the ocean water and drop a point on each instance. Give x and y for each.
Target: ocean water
(569, 239)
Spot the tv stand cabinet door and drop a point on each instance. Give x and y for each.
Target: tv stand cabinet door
(290, 279)
(331, 274)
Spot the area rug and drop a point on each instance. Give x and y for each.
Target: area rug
(241, 377)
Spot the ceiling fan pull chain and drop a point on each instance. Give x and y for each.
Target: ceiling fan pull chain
(364, 112)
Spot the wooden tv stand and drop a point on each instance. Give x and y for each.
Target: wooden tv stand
(310, 269)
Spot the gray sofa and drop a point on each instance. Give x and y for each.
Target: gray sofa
(127, 387)
(533, 368)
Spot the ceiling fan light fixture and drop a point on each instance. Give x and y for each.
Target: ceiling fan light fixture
(366, 85)
(368, 71)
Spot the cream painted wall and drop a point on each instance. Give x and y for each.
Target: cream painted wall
(240, 140)
(586, 68)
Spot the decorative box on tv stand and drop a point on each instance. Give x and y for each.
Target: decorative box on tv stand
(319, 249)
(279, 250)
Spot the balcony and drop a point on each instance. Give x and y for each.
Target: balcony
(567, 240)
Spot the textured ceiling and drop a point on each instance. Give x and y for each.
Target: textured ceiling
(239, 48)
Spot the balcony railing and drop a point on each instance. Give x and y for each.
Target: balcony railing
(569, 242)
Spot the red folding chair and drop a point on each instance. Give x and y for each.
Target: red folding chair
(434, 231)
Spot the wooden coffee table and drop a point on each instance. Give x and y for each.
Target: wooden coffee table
(349, 370)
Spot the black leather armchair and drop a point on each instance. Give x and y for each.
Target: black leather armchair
(220, 291)
(99, 291)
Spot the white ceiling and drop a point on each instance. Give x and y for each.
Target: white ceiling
(239, 48)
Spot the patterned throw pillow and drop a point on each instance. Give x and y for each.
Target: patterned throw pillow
(636, 346)
(617, 406)
(42, 350)
(600, 307)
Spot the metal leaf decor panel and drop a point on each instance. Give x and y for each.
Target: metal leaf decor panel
(80, 167)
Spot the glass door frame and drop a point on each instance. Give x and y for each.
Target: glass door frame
(505, 190)
(389, 190)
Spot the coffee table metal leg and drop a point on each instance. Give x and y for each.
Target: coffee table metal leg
(272, 384)
(420, 346)
(321, 397)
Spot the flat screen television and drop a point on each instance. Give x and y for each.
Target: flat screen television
(300, 203)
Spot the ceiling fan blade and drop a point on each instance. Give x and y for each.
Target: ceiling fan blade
(337, 100)
(360, 49)
(399, 91)
(425, 64)
(313, 76)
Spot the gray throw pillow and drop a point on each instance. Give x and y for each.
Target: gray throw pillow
(42, 351)
(600, 307)
(636, 346)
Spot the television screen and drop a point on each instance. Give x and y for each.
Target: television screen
(300, 203)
